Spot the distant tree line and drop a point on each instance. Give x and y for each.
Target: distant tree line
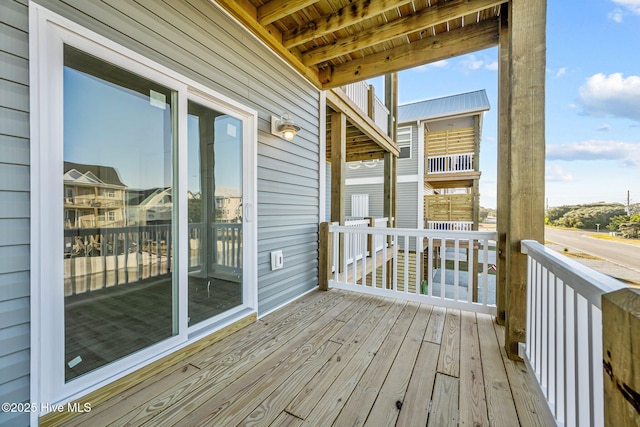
(612, 216)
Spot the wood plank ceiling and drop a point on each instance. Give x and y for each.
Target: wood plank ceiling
(337, 42)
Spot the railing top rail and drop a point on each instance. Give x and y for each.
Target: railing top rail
(437, 234)
(471, 153)
(589, 283)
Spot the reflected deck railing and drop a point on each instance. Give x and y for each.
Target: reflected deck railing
(564, 334)
(96, 258)
(446, 268)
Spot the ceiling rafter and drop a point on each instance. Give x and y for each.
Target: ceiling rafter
(278, 9)
(460, 41)
(427, 17)
(342, 18)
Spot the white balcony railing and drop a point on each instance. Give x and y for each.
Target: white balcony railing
(446, 268)
(564, 334)
(359, 94)
(450, 225)
(381, 115)
(450, 163)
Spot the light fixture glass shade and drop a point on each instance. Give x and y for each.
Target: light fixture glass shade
(287, 128)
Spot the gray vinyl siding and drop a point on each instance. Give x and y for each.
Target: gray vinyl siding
(376, 198)
(199, 41)
(410, 166)
(14, 208)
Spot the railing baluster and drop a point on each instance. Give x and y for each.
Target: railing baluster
(485, 269)
(456, 269)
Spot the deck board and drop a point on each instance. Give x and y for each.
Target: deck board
(340, 358)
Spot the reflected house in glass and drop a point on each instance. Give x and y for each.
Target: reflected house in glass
(94, 196)
(155, 208)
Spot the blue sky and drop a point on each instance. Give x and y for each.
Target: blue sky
(592, 101)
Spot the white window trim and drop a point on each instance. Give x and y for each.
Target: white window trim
(48, 32)
(406, 130)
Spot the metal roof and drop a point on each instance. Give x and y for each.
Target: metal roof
(454, 105)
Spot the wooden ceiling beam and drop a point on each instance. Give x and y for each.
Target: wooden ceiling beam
(427, 17)
(356, 157)
(348, 15)
(470, 38)
(278, 9)
(246, 15)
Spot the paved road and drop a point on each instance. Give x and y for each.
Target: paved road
(624, 254)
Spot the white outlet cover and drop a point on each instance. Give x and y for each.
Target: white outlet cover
(277, 260)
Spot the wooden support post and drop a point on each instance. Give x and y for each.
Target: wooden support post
(476, 167)
(371, 103)
(527, 25)
(621, 354)
(504, 162)
(338, 158)
(324, 259)
(370, 238)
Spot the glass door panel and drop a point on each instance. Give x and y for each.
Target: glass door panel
(214, 200)
(118, 213)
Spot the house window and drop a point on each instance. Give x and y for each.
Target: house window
(404, 142)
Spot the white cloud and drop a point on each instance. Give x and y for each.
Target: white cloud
(632, 5)
(555, 173)
(492, 66)
(472, 63)
(625, 152)
(612, 95)
(561, 72)
(438, 64)
(616, 15)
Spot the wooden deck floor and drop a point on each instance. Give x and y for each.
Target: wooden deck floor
(344, 359)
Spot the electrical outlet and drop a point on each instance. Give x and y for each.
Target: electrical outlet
(277, 260)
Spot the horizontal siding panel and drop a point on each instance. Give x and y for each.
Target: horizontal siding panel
(14, 232)
(15, 14)
(14, 285)
(268, 245)
(273, 209)
(14, 312)
(298, 148)
(273, 158)
(15, 96)
(293, 266)
(265, 233)
(376, 198)
(284, 177)
(14, 41)
(407, 205)
(14, 150)
(14, 177)
(14, 339)
(14, 123)
(14, 204)
(14, 365)
(14, 419)
(294, 171)
(14, 259)
(285, 221)
(272, 296)
(14, 69)
(282, 188)
(15, 391)
(280, 199)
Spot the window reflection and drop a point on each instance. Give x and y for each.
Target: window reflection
(214, 204)
(118, 286)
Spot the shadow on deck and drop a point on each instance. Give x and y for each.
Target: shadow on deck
(340, 358)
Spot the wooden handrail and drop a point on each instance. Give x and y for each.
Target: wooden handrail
(621, 357)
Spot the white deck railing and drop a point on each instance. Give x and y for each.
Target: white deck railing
(564, 334)
(381, 114)
(359, 93)
(450, 225)
(450, 163)
(436, 267)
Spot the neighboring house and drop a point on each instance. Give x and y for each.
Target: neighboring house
(438, 166)
(94, 196)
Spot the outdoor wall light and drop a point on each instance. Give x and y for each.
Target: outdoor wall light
(284, 127)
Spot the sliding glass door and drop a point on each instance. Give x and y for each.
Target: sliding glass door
(119, 287)
(215, 212)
